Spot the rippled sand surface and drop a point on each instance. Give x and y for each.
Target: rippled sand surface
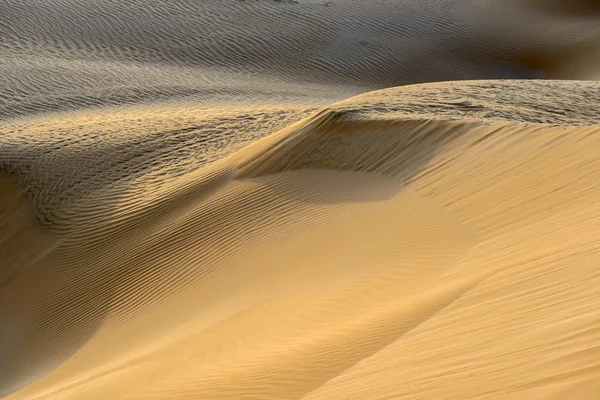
(231, 199)
(71, 54)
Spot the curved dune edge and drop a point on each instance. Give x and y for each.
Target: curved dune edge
(346, 256)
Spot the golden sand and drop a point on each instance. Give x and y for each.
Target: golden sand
(256, 239)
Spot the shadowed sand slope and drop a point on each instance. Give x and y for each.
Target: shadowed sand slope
(73, 54)
(432, 241)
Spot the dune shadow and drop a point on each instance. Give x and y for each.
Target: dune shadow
(347, 141)
(329, 187)
(71, 287)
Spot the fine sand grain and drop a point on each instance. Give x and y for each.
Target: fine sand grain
(72, 54)
(194, 204)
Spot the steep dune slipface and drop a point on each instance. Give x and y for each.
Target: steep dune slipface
(376, 249)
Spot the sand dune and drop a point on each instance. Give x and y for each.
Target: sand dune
(74, 54)
(234, 199)
(357, 253)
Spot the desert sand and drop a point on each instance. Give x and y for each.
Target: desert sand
(301, 200)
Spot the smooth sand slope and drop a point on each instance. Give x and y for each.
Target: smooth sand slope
(378, 248)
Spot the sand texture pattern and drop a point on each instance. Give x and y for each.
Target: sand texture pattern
(234, 199)
(72, 54)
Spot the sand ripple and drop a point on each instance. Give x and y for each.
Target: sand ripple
(234, 199)
(349, 251)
